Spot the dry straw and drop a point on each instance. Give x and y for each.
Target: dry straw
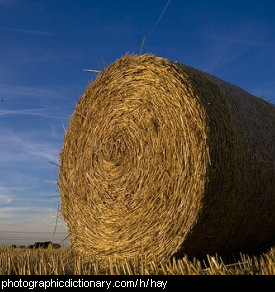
(161, 159)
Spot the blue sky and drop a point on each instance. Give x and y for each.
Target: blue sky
(44, 46)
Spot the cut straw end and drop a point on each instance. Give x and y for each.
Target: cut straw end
(91, 70)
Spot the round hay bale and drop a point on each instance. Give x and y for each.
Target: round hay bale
(161, 159)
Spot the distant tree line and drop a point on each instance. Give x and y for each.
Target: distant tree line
(44, 244)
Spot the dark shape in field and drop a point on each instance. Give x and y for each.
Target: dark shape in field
(45, 244)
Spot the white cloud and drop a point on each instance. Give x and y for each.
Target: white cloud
(5, 199)
(48, 181)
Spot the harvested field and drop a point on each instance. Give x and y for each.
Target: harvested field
(66, 262)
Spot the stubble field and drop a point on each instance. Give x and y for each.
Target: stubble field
(63, 261)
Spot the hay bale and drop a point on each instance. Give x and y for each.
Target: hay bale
(162, 159)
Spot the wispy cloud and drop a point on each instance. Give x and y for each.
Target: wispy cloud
(41, 150)
(6, 2)
(224, 55)
(30, 32)
(39, 112)
(15, 212)
(24, 183)
(30, 91)
(17, 147)
(32, 101)
(217, 47)
(27, 197)
(243, 41)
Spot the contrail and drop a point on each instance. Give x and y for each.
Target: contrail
(155, 26)
(160, 17)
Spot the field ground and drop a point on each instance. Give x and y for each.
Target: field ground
(63, 261)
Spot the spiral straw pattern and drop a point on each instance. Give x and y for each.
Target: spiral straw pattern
(161, 159)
